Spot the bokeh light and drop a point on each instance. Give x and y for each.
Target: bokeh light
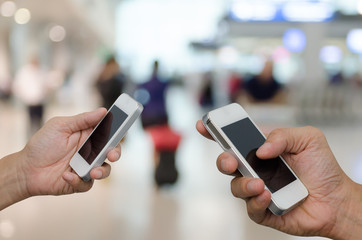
(57, 33)
(294, 40)
(142, 95)
(359, 7)
(8, 8)
(22, 16)
(228, 55)
(330, 54)
(354, 40)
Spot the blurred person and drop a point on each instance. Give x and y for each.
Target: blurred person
(336, 78)
(235, 86)
(155, 122)
(5, 76)
(30, 86)
(356, 80)
(42, 167)
(207, 98)
(110, 82)
(5, 88)
(334, 206)
(165, 141)
(4, 92)
(263, 87)
(155, 112)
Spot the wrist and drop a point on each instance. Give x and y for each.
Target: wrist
(349, 215)
(13, 181)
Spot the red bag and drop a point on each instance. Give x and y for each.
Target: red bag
(164, 138)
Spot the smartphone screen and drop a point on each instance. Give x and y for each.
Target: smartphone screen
(102, 134)
(247, 139)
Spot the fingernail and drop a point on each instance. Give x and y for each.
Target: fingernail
(118, 156)
(224, 164)
(251, 185)
(68, 176)
(98, 174)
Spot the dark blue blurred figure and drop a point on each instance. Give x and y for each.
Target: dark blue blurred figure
(154, 99)
(110, 82)
(336, 78)
(263, 87)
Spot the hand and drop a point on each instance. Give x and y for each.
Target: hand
(308, 154)
(45, 159)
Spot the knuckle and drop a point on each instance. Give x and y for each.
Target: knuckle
(54, 120)
(314, 132)
(251, 213)
(234, 185)
(84, 186)
(277, 131)
(234, 193)
(57, 121)
(254, 213)
(88, 186)
(277, 134)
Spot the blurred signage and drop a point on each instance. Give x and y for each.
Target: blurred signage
(290, 11)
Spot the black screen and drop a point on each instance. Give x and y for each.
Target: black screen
(102, 134)
(247, 139)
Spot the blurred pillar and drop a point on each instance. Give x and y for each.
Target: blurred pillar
(4, 59)
(29, 41)
(315, 35)
(18, 45)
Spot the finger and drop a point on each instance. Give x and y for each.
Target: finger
(101, 172)
(227, 164)
(290, 140)
(76, 182)
(257, 206)
(114, 154)
(245, 187)
(84, 120)
(202, 130)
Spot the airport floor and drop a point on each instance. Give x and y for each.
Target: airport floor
(127, 205)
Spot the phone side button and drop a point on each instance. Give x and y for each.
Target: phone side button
(218, 136)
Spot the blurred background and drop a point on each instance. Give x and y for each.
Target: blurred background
(289, 63)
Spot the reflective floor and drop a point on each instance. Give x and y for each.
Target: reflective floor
(128, 206)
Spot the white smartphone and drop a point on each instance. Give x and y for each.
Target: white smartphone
(106, 135)
(237, 134)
